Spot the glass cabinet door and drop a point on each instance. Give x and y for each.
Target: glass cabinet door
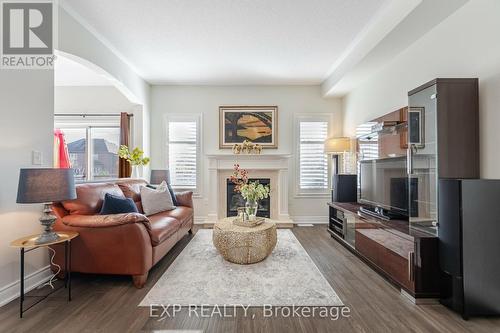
(422, 160)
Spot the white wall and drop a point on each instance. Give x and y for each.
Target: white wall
(91, 99)
(76, 39)
(463, 45)
(26, 124)
(205, 100)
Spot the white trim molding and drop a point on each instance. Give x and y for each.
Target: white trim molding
(11, 291)
(310, 219)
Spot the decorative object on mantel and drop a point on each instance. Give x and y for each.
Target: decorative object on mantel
(252, 192)
(257, 124)
(46, 185)
(247, 147)
(135, 158)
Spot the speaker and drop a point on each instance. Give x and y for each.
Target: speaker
(345, 188)
(469, 229)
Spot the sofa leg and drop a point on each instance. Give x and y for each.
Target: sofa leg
(140, 280)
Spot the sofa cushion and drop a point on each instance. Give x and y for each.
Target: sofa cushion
(162, 227)
(180, 213)
(114, 204)
(89, 198)
(184, 199)
(155, 201)
(132, 189)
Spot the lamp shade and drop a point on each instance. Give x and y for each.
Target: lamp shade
(337, 145)
(157, 176)
(45, 185)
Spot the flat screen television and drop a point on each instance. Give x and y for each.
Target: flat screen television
(384, 184)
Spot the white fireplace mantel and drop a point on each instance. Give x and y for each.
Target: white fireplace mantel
(275, 165)
(248, 161)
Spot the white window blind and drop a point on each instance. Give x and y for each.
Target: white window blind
(313, 162)
(182, 153)
(368, 141)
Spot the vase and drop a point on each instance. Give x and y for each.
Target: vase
(251, 207)
(135, 171)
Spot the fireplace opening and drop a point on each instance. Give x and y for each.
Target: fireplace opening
(235, 200)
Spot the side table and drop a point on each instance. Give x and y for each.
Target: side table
(27, 244)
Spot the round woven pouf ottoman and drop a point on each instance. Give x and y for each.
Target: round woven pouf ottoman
(244, 245)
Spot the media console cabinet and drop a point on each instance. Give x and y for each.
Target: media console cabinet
(405, 256)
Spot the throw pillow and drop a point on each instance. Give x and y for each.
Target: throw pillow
(114, 204)
(170, 189)
(155, 201)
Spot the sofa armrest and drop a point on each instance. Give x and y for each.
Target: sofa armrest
(124, 249)
(58, 209)
(104, 221)
(185, 198)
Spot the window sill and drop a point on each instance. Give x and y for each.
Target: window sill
(312, 195)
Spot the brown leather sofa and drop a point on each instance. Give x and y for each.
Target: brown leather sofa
(124, 244)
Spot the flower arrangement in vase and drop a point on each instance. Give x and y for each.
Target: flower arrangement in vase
(252, 192)
(135, 158)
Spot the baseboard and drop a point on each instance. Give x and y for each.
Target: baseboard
(200, 219)
(11, 291)
(419, 301)
(310, 219)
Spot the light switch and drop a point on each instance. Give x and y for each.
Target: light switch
(36, 157)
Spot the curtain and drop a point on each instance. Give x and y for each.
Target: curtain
(124, 168)
(61, 155)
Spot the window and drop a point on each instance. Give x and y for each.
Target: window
(368, 141)
(313, 162)
(104, 152)
(183, 151)
(99, 159)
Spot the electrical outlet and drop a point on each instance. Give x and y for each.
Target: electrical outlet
(36, 157)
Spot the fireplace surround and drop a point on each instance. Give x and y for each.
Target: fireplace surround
(269, 166)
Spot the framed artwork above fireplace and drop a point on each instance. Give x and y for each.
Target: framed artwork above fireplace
(257, 124)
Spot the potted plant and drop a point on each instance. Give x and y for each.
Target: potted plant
(252, 192)
(135, 158)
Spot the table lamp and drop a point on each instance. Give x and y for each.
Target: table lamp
(46, 185)
(337, 146)
(157, 176)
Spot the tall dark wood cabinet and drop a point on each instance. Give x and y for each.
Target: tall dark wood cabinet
(443, 142)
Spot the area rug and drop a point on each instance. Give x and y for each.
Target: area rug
(200, 276)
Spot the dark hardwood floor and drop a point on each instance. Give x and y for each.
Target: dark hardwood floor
(109, 303)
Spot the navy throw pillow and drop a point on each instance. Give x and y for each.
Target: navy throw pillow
(170, 189)
(114, 204)
(172, 194)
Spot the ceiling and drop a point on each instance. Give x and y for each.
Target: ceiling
(230, 41)
(71, 73)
